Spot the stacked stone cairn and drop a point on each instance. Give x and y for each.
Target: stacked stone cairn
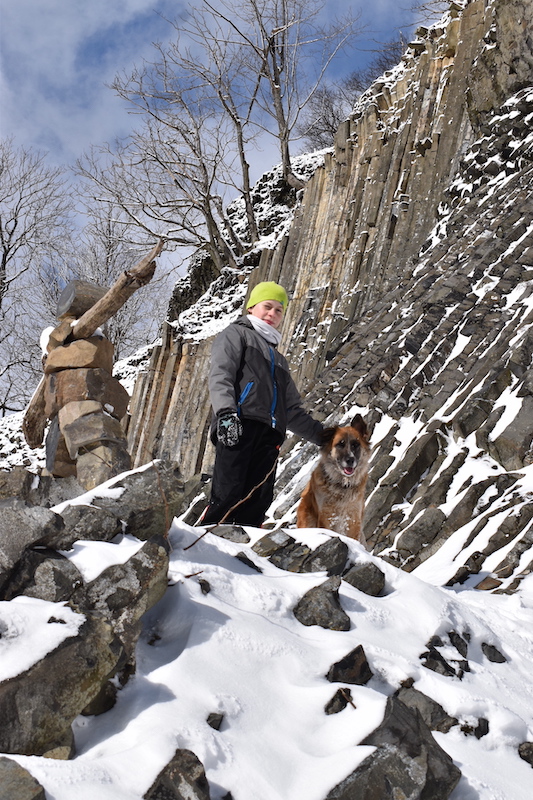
(83, 400)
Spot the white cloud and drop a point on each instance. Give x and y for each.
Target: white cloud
(58, 55)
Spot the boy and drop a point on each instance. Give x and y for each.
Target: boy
(254, 401)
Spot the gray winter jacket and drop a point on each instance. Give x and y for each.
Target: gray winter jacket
(249, 376)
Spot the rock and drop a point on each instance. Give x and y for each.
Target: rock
(92, 353)
(422, 531)
(272, 542)
(367, 577)
(408, 763)
(244, 559)
(460, 643)
(24, 527)
(86, 522)
(492, 653)
(432, 712)
(36, 710)
(338, 702)
(353, 668)
(233, 533)
(215, 720)
(44, 574)
(525, 751)
(291, 558)
(150, 499)
(321, 606)
(512, 446)
(436, 662)
(16, 783)
(74, 385)
(78, 297)
(91, 429)
(329, 557)
(387, 774)
(182, 779)
(102, 461)
(58, 461)
(16, 482)
(122, 593)
(73, 411)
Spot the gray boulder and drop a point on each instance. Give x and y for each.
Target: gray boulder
(182, 779)
(368, 578)
(330, 557)
(86, 522)
(16, 783)
(122, 593)
(22, 527)
(38, 706)
(353, 668)
(46, 574)
(321, 606)
(408, 762)
(150, 499)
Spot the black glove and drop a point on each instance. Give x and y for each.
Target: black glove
(229, 428)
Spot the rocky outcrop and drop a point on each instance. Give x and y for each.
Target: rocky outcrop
(409, 267)
(99, 616)
(407, 760)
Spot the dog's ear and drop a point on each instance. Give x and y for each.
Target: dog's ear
(360, 426)
(327, 436)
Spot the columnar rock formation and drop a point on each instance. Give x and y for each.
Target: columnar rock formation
(408, 265)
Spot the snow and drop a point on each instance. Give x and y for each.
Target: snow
(238, 650)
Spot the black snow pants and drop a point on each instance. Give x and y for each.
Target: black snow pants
(238, 470)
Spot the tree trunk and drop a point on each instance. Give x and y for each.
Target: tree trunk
(116, 296)
(35, 419)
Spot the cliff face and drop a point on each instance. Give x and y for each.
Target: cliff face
(409, 265)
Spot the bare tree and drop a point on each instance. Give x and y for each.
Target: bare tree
(35, 208)
(35, 224)
(235, 71)
(287, 51)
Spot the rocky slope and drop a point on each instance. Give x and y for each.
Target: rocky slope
(409, 266)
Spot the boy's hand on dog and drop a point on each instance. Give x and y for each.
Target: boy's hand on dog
(229, 428)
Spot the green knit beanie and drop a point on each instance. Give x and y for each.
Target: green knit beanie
(268, 290)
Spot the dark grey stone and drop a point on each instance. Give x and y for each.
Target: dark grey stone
(353, 668)
(525, 751)
(433, 660)
(23, 527)
(432, 712)
(338, 702)
(321, 606)
(16, 783)
(86, 522)
(368, 578)
(291, 558)
(233, 533)
(272, 542)
(329, 557)
(182, 779)
(37, 710)
(492, 653)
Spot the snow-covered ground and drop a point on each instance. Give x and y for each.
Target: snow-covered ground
(238, 650)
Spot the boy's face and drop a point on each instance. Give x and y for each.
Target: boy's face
(270, 311)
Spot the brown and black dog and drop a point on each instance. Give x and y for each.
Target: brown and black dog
(334, 498)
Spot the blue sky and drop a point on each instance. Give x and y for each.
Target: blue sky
(56, 57)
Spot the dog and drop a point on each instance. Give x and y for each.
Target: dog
(334, 498)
